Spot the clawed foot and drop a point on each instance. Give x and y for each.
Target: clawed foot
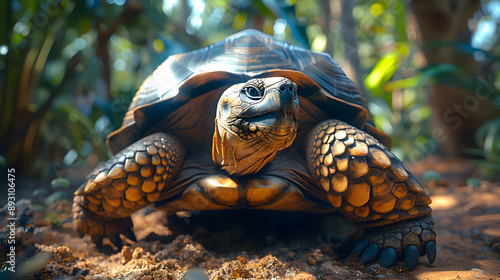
(99, 227)
(405, 241)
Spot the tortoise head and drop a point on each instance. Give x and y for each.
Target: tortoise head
(254, 120)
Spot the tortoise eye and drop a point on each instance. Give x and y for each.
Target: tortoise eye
(252, 93)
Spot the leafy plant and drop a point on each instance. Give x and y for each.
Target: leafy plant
(488, 139)
(54, 203)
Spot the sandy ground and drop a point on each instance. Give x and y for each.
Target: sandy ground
(266, 246)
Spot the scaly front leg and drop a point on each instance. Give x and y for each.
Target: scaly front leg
(373, 189)
(124, 184)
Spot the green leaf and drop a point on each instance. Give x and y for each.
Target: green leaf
(40, 191)
(57, 196)
(443, 73)
(474, 152)
(53, 218)
(461, 46)
(435, 70)
(76, 116)
(403, 83)
(382, 72)
(487, 130)
(263, 9)
(473, 183)
(39, 207)
(399, 8)
(60, 182)
(431, 175)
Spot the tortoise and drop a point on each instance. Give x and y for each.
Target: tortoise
(257, 123)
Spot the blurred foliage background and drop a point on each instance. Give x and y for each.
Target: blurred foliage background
(69, 69)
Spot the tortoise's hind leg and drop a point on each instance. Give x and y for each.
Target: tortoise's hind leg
(373, 189)
(124, 184)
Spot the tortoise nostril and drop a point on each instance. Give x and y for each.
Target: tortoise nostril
(287, 88)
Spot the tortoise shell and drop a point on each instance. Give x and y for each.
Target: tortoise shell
(180, 96)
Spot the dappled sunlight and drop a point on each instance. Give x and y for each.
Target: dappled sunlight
(442, 202)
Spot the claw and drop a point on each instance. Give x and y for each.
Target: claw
(148, 211)
(430, 250)
(412, 255)
(129, 234)
(116, 240)
(97, 240)
(360, 245)
(370, 254)
(388, 257)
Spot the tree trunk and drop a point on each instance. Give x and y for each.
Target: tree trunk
(457, 112)
(349, 34)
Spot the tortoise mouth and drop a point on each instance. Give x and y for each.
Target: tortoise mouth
(277, 124)
(274, 120)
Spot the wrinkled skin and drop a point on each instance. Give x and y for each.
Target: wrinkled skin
(349, 169)
(254, 121)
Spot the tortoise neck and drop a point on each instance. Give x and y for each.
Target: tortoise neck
(239, 156)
